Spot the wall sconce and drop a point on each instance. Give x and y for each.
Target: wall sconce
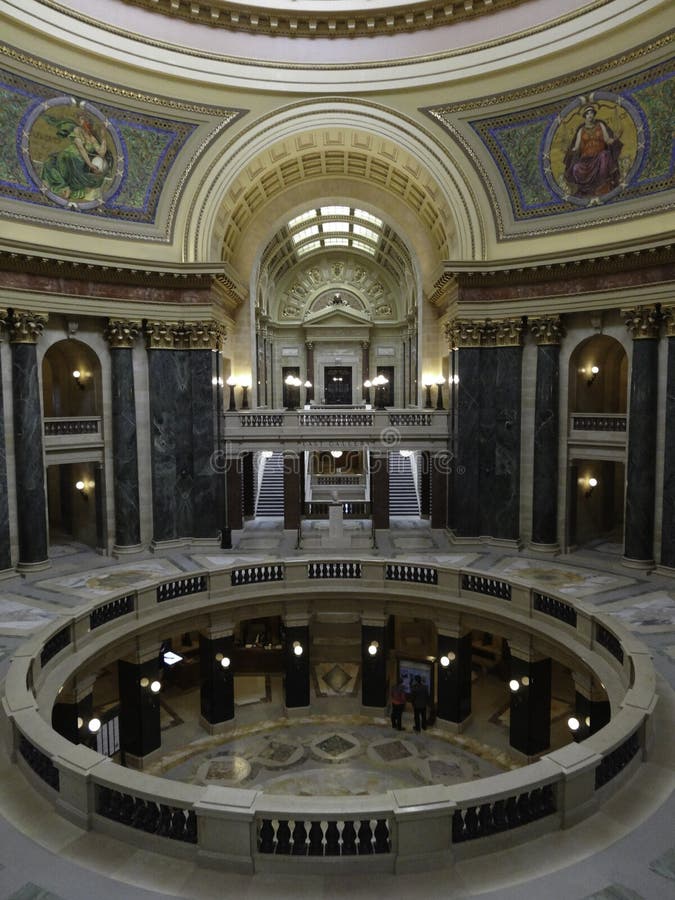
(77, 375)
(378, 383)
(81, 488)
(573, 723)
(94, 725)
(373, 647)
(440, 381)
(446, 660)
(591, 483)
(593, 375)
(514, 684)
(231, 382)
(426, 383)
(217, 381)
(155, 685)
(297, 648)
(453, 379)
(223, 660)
(245, 385)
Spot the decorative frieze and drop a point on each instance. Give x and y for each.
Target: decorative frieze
(25, 327)
(122, 333)
(185, 335)
(547, 330)
(643, 321)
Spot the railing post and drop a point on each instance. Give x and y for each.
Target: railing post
(226, 827)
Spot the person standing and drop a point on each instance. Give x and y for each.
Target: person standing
(420, 702)
(398, 701)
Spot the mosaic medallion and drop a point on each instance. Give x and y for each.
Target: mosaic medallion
(73, 153)
(335, 745)
(594, 148)
(392, 750)
(227, 769)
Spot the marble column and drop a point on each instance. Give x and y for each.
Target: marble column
(216, 653)
(233, 476)
(547, 333)
(309, 368)
(379, 488)
(454, 677)
(440, 465)
(466, 338)
(140, 731)
(530, 719)
(365, 361)
(644, 323)
(121, 336)
(505, 493)
(5, 538)
(248, 484)
(296, 683)
(668, 521)
(205, 522)
(425, 484)
(24, 332)
(293, 478)
(373, 664)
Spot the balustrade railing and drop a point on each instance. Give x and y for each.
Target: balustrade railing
(181, 587)
(501, 804)
(110, 611)
(147, 815)
(334, 569)
(257, 574)
(598, 422)
(53, 427)
(416, 420)
(406, 572)
(503, 814)
(482, 584)
(336, 419)
(314, 837)
(556, 608)
(352, 509)
(261, 420)
(54, 645)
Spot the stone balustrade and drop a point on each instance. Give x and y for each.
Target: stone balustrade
(247, 830)
(316, 429)
(72, 432)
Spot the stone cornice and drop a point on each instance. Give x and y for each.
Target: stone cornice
(182, 335)
(643, 321)
(515, 278)
(121, 333)
(230, 294)
(26, 270)
(547, 329)
(25, 327)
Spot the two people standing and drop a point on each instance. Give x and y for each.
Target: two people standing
(420, 698)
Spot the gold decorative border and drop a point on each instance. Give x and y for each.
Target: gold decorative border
(383, 64)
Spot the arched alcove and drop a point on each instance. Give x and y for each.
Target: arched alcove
(71, 380)
(598, 376)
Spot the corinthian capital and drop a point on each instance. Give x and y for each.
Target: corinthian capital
(205, 335)
(464, 333)
(507, 332)
(669, 320)
(25, 327)
(122, 333)
(642, 321)
(547, 329)
(161, 335)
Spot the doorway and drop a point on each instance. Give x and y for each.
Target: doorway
(337, 385)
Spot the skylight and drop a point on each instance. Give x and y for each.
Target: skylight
(335, 226)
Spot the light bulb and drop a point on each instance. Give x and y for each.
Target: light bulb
(94, 725)
(373, 647)
(445, 661)
(573, 723)
(514, 684)
(225, 662)
(155, 687)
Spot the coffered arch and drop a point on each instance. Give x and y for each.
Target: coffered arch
(335, 150)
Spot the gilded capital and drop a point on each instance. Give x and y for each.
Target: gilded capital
(547, 329)
(3, 318)
(508, 332)
(642, 321)
(160, 335)
(122, 333)
(668, 313)
(205, 335)
(464, 333)
(25, 327)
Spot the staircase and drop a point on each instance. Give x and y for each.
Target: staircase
(271, 495)
(403, 499)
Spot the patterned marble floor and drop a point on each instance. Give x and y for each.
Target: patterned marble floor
(624, 852)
